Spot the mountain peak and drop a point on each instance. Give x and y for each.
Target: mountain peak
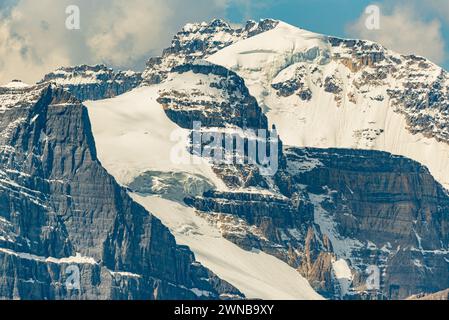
(261, 26)
(15, 84)
(365, 79)
(206, 27)
(199, 41)
(327, 216)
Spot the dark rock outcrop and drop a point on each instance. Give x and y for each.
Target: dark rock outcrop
(390, 209)
(94, 82)
(392, 206)
(198, 41)
(417, 88)
(63, 215)
(237, 108)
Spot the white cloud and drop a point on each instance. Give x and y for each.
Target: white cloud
(34, 39)
(403, 30)
(436, 7)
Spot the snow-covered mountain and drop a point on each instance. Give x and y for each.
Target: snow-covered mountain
(337, 206)
(198, 41)
(64, 217)
(140, 137)
(326, 92)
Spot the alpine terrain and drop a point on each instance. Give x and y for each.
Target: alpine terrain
(105, 192)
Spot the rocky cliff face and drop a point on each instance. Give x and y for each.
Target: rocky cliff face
(63, 216)
(198, 41)
(360, 208)
(414, 85)
(326, 92)
(263, 212)
(216, 98)
(93, 82)
(322, 207)
(390, 208)
(338, 216)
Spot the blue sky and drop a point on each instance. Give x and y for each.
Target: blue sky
(125, 33)
(332, 17)
(323, 16)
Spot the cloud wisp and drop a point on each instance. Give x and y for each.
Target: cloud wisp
(403, 30)
(34, 39)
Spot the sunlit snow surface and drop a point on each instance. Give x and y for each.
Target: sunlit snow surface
(15, 85)
(271, 57)
(256, 274)
(132, 135)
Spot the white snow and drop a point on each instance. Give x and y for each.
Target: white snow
(13, 98)
(81, 79)
(418, 263)
(83, 76)
(200, 293)
(15, 85)
(134, 135)
(343, 274)
(124, 274)
(78, 259)
(256, 274)
(323, 122)
(343, 247)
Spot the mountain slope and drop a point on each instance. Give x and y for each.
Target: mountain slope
(132, 133)
(60, 211)
(257, 274)
(198, 41)
(314, 227)
(379, 210)
(300, 215)
(327, 92)
(294, 69)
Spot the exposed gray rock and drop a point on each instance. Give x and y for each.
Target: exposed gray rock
(198, 41)
(94, 82)
(59, 208)
(239, 108)
(281, 218)
(295, 84)
(392, 207)
(417, 88)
